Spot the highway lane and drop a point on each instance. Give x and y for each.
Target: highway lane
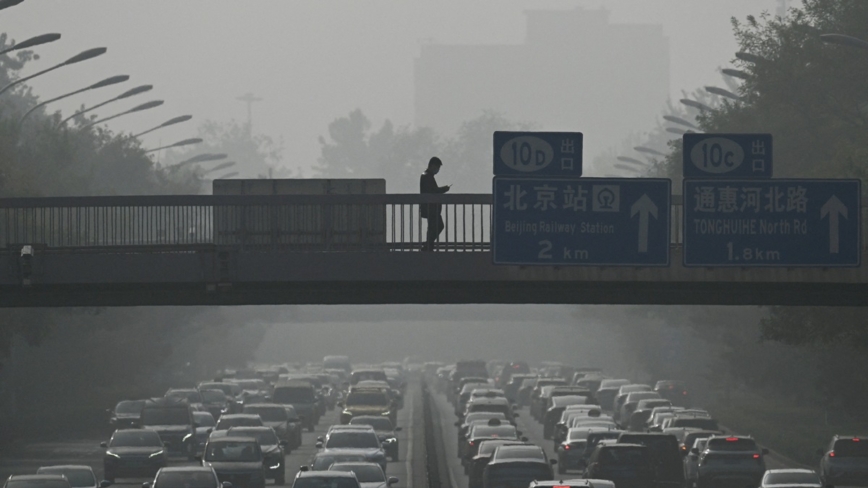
(25, 458)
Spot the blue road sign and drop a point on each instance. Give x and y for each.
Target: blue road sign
(785, 223)
(582, 221)
(538, 154)
(727, 156)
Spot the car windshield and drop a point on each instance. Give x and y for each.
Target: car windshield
(135, 438)
(213, 396)
(186, 479)
(268, 414)
(226, 423)
(731, 444)
(695, 423)
(58, 483)
(233, 451)
(77, 477)
(203, 419)
(365, 473)
(264, 436)
(366, 440)
(486, 448)
(166, 416)
(487, 407)
(325, 482)
(226, 388)
(494, 431)
(129, 407)
(613, 458)
(377, 399)
(792, 478)
(382, 424)
(251, 384)
(368, 375)
(191, 396)
(299, 394)
(851, 448)
(519, 452)
(322, 462)
(518, 474)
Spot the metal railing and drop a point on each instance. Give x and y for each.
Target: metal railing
(303, 223)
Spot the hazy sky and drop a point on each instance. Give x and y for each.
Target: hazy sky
(314, 60)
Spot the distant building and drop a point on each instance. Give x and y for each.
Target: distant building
(575, 72)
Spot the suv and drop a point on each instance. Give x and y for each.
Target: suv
(236, 460)
(301, 396)
(674, 391)
(845, 461)
(733, 460)
(665, 454)
(627, 465)
(173, 419)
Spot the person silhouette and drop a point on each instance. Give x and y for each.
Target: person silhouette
(431, 211)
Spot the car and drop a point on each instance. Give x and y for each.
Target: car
(36, 481)
(133, 453)
(477, 417)
(191, 395)
(577, 483)
(510, 370)
(483, 404)
(626, 465)
(325, 479)
(230, 390)
(273, 450)
(473, 390)
(608, 390)
(674, 391)
(691, 462)
(369, 475)
(236, 460)
(366, 401)
(523, 452)
(664, 452)
(515, 472)
(322, 460)
(215, 402)
(736, 460)
(79, 476)
(687, 437)
(845, 461)
(337, 362)
(226, 422)
(638, 420)
(789, 478)
(172, 418)
(278, 418)
(385, 431)
(553, 414)
(623, 391)
(355, 439)
(367, 374)
(478, 433)
(515, 381)
(301, 396)
(205, 424)
(126, 414)
(186, 477)
(571, 452)
(477, 464)
(629, 404)
(684, 420)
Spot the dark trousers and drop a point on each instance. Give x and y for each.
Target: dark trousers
(435, 227)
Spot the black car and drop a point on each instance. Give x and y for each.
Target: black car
(627, 465)
(126, 414)
(273, 450)
(277, 417)
(172, 419)
(133, 453)
(515, 473)
(385, 431)
(664, 451)
(237, 460)
(476, 467)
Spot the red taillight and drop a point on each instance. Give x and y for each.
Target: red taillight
(756, 456)
(732, 439)
(567, 447)
(831, 453)
(855, 439)
(471, 443)
(684, 393)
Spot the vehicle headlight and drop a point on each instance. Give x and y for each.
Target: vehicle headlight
(109, 453)
(386, 413)
(158, 453)
(186, 437)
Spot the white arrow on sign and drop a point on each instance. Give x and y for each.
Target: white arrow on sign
(833, 208)
(644, 207)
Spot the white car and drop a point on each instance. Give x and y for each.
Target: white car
(789, 478)
(79, 476)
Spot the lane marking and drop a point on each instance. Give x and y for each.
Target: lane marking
(409, 457)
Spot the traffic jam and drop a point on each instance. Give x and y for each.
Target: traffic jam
(515, 426)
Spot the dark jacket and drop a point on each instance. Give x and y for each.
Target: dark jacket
(427, 184)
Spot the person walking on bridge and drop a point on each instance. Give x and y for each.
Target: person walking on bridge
(431, 211)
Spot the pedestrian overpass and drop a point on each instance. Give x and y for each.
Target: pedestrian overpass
(337, 249)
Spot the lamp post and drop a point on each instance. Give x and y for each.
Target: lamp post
(676, 130)
(694, 104)
(176, 120)
(144, 106)
(201, 158)
(679, 121)
(844, 40)
(220, 166)
(735, 73)
(648, 150)
(32, 42)
(129, 93)
(722, 92)
(104, 83)
(185, 142)
(82, 56)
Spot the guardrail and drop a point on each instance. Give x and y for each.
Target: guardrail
(292, 223)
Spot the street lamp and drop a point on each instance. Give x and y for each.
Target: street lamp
(648, 150)
(176, 120)
(185, 142)
(144, 106)
(679, 121)
(695, 104)
(722, 92)
(106, 82)
(228, 175)
(82, 56)
(750, 58)
(736, 73)
(220, 166)
(201, 158)
(129, 93)
(33, 41)
(676, 130)
(844, 40)
(631, 160)
(9, 3)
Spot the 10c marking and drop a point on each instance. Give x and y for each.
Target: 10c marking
(716, 156)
